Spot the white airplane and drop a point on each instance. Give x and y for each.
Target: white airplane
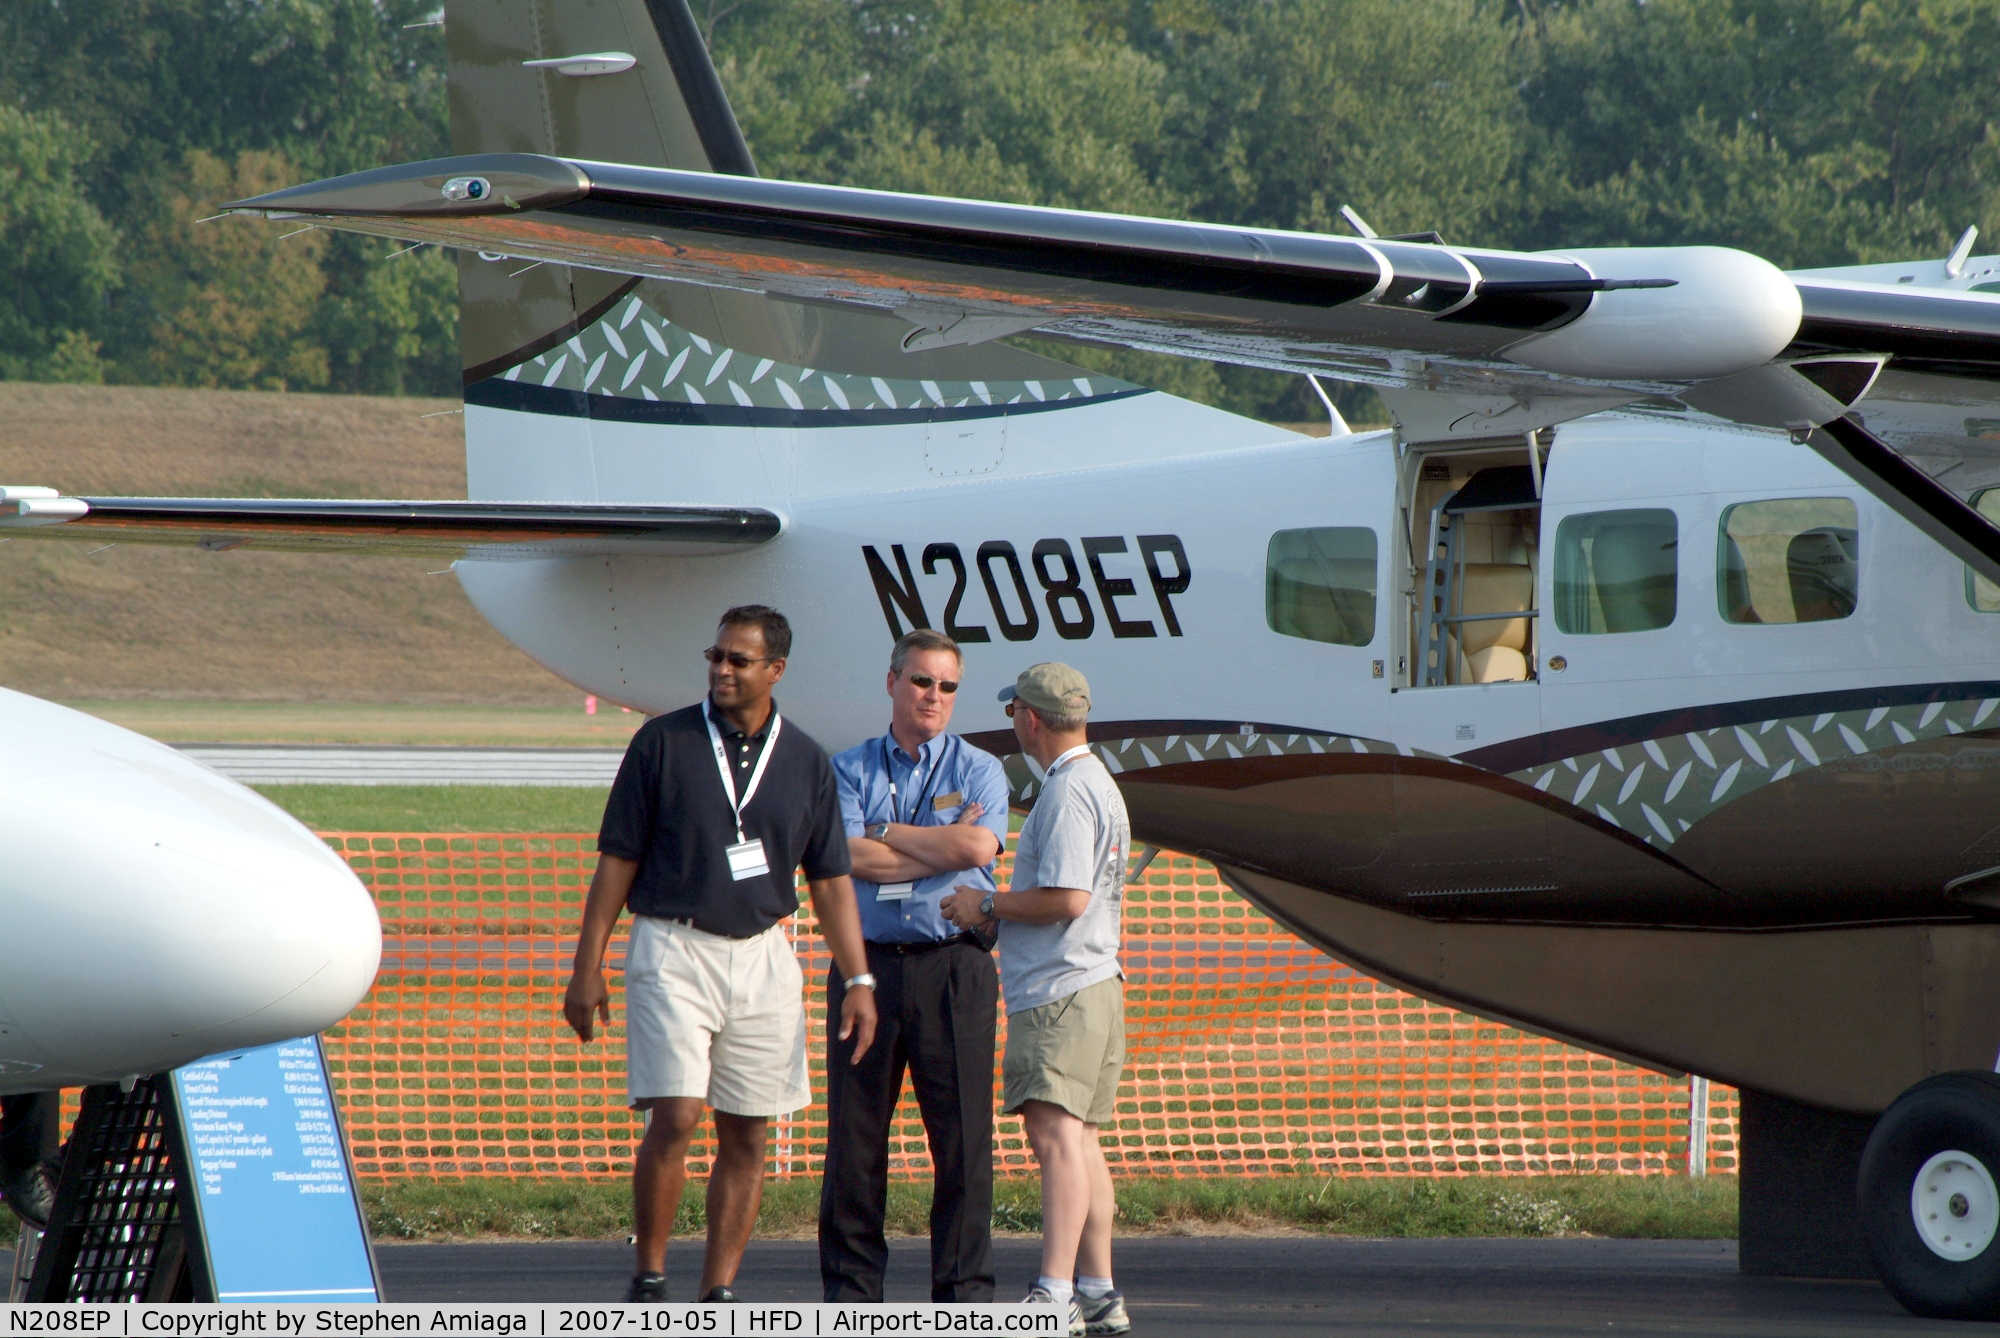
(1637, 688)
(153, 911)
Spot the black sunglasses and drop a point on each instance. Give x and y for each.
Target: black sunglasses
(737, 659)
(924, 681)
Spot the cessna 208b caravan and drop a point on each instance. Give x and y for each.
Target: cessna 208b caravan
(1638, 688)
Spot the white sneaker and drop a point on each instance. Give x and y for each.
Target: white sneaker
(1040, 1295)
(1104, 1314)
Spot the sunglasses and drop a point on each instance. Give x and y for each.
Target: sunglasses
(737, 659)
(925, 682)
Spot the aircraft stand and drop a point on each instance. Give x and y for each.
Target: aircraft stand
(116, 1232)
(27, 1241)
(1798, 1215)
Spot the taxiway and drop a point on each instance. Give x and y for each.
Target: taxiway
(1185, 1286)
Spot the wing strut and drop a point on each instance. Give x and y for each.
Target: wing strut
(1911, 493)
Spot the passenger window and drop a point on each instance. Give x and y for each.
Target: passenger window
(1615, 571)
(1796, 560)
(1982, 594)
(1320, 584)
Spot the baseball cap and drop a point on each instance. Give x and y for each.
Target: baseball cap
(1052, 688)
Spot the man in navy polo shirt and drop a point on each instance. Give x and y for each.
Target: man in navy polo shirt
(924, 811)
(715, 808)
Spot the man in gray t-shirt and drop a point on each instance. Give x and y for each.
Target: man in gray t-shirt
(1076, 837)
(1059, 926)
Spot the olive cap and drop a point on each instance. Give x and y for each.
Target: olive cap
(1052, 688)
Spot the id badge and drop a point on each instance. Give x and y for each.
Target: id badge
(746, 859)
(894, 891)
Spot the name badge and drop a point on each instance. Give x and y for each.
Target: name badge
(895, 891)
(746, 859)
(945, 801)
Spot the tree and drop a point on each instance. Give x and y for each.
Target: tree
(1813, 132)
(389, 318)
(1291, 108)
(1019, 100)
(328, 86)
(232, 296)
(61, 256)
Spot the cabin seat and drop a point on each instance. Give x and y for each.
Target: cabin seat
(1495, 650)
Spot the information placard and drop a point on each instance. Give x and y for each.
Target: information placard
(279, 1217)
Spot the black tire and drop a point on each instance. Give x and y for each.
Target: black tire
(1952, 1112)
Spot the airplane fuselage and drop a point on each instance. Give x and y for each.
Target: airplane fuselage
(1749, 774)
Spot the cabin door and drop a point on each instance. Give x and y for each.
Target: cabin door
(1470, 677)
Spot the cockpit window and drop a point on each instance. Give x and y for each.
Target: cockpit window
(1616, 571)
(1794, 560)
(1982, 594)
(1319, 584)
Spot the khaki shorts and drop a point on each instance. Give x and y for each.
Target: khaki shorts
(1069, 1053)
(722, 1019)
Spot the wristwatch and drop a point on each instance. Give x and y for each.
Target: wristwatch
(879, 832)
(986, 904)
(866, 980)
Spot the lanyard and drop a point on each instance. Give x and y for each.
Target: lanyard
(722, 765)
(1058, 763)
(930, 786)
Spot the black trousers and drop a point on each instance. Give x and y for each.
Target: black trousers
(28, 1132)
(937, 1010)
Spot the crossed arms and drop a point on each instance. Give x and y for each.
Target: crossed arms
(907, 853)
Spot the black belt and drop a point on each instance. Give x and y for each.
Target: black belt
(929, 944)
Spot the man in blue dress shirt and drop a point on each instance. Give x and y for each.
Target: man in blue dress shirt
(925, 812)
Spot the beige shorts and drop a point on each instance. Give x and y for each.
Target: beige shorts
(718, 1018)
(1069, 1053)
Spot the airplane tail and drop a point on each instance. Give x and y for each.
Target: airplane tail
(630, 81)
(650, 98)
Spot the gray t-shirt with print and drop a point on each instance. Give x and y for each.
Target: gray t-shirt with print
(1077, 836)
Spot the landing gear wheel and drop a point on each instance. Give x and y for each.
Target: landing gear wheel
(1930, 1197)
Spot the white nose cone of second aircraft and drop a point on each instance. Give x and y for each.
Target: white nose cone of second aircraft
(153, 911)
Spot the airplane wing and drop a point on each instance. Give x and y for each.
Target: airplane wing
(489, 530)
(1391, 313)
(1494, 343)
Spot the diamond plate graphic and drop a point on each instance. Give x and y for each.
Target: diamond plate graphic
(1024, 774)
(635, 353)
(1659, 789)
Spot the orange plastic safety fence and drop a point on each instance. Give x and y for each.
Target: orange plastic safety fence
(1248, 1052)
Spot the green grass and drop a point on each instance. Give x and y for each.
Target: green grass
(447, 808)
(1651, 1208)
(441, 808)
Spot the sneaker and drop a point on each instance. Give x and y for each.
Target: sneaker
(648, 1288)
(720, 1295)
(1105, 1314)
(1039, 1295)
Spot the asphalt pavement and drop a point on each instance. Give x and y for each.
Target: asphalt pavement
(1179, 1287)
(345, 764)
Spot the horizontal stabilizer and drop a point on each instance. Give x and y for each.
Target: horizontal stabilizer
(309, 525)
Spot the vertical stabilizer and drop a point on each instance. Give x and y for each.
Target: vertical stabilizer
(587, 386)
(667, 109)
